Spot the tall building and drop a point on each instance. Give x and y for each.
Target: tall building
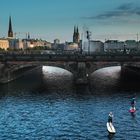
(76, 35)
(10, 31)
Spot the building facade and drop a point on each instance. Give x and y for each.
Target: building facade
(93, 46)
(4, 43)
(113, 45)
(39, 42)
(131, 44)
(72, 46)
(15, 44)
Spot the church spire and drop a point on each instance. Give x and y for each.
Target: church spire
(76, 36)
(10, 31)
(77, 30)
(74, 33)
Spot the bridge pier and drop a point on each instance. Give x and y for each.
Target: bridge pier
(130, 72)
(81, 76)
(4, 73)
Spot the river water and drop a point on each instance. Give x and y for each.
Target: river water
(52, 108)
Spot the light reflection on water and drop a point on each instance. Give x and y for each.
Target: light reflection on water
(30, 111)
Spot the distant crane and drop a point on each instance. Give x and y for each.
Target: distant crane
(26, 34)
(87, 35)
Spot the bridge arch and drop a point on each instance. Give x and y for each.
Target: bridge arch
(94, 66)
(80, 70)
(13, 70)
(56, 69)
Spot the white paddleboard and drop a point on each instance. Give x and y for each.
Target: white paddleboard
(132, 110)
(110, 128)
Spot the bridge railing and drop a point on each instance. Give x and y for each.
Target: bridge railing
(64, 57)
(53, 55)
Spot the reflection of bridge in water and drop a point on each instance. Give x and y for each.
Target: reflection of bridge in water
(81, 66)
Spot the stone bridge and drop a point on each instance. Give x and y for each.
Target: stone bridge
(14, 66)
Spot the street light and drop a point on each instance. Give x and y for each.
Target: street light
(124, 50)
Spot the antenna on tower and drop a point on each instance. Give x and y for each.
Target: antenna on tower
(28, 35)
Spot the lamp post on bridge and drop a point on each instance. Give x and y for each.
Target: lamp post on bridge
(124, 49)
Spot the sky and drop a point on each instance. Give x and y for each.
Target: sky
(51, 19)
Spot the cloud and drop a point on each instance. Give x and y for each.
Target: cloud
(126, 6)
(124, 10)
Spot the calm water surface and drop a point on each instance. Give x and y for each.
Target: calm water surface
(51, 108)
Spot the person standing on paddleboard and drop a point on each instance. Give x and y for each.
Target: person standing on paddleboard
(110, 117)
(133, 101)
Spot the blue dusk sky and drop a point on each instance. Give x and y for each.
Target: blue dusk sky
(50, 19)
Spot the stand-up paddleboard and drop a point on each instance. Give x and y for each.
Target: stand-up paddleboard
(110, 128)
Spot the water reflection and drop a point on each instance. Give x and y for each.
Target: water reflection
(111, 136)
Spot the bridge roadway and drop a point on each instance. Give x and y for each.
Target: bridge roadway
(76, 58)
(80, 65)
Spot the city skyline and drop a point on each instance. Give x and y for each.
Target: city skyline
(50, 19)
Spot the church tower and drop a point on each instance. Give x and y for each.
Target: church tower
(10, 31)
(76, 35)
